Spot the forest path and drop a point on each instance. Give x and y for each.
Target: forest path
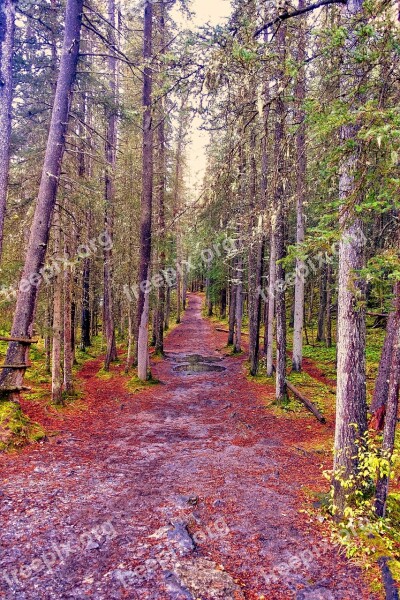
(188, 489)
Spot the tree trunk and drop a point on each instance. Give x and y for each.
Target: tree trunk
(271, 302)
(162, 183)
(389, 431)
(167, 308)
(48, 330)
(129, 355)
(351, 408)
(255, 265)
(39, 236)
(328, 321)
(223, 303)
(232, 310)
(301, 160)
(85, 318)
(68, 328)
(381, 389)
(322, 305)
(109, 196)
(237, 347)
(147, 199)
(7, 31)
(279, 234)
(56, 374)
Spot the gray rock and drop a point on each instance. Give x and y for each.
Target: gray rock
(320, 593)
(203, 579)
(180, 535)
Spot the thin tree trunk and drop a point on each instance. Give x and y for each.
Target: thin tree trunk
(39, 236)
(48, 330)
(162, 182)
(147, 200)
(232, 310)
(110, 151)
(389, 431)
(255, 266)
(68, 328)
(85, 318)
(279, 234)
(129, 355)
(328, 320)
(322, 305)
(381, 389)
(56, 374)
(238, 305)
(300, 93)
(167, 308)
(223, 302)
(271, 303)
(7, 31)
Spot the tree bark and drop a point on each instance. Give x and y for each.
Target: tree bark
(328, 320)
(161, 188)
(389, 431)
(147, 199)
(232, 309)
(322, 305)
(56, 375)
(351, 408)
(255, 265)
(109, 193)
(223, 302)
(68, 329)
(279, 234)
(271, 301)
(39, 236)
(7, 32)
(381, 389)
(237, 347)
(300, 93)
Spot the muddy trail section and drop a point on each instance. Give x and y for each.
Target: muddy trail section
(189, 489)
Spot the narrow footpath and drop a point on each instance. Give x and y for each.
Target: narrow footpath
(189, 489)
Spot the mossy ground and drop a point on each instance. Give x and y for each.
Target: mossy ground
(15, 428)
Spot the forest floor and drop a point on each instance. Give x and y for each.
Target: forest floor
(192, 488)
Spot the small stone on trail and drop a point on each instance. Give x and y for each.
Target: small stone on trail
(182, 537)
(205, 579)
(315, 594)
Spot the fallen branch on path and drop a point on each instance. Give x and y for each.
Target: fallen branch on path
(307, 403)
(389, 583)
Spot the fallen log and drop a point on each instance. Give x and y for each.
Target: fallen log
(20, 340)
(307, 403)
(391, 591)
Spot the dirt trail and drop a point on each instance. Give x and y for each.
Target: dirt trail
(189, 489)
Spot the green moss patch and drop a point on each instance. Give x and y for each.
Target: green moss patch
(16, 429)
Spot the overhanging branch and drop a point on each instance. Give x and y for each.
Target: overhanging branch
(296, 13)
